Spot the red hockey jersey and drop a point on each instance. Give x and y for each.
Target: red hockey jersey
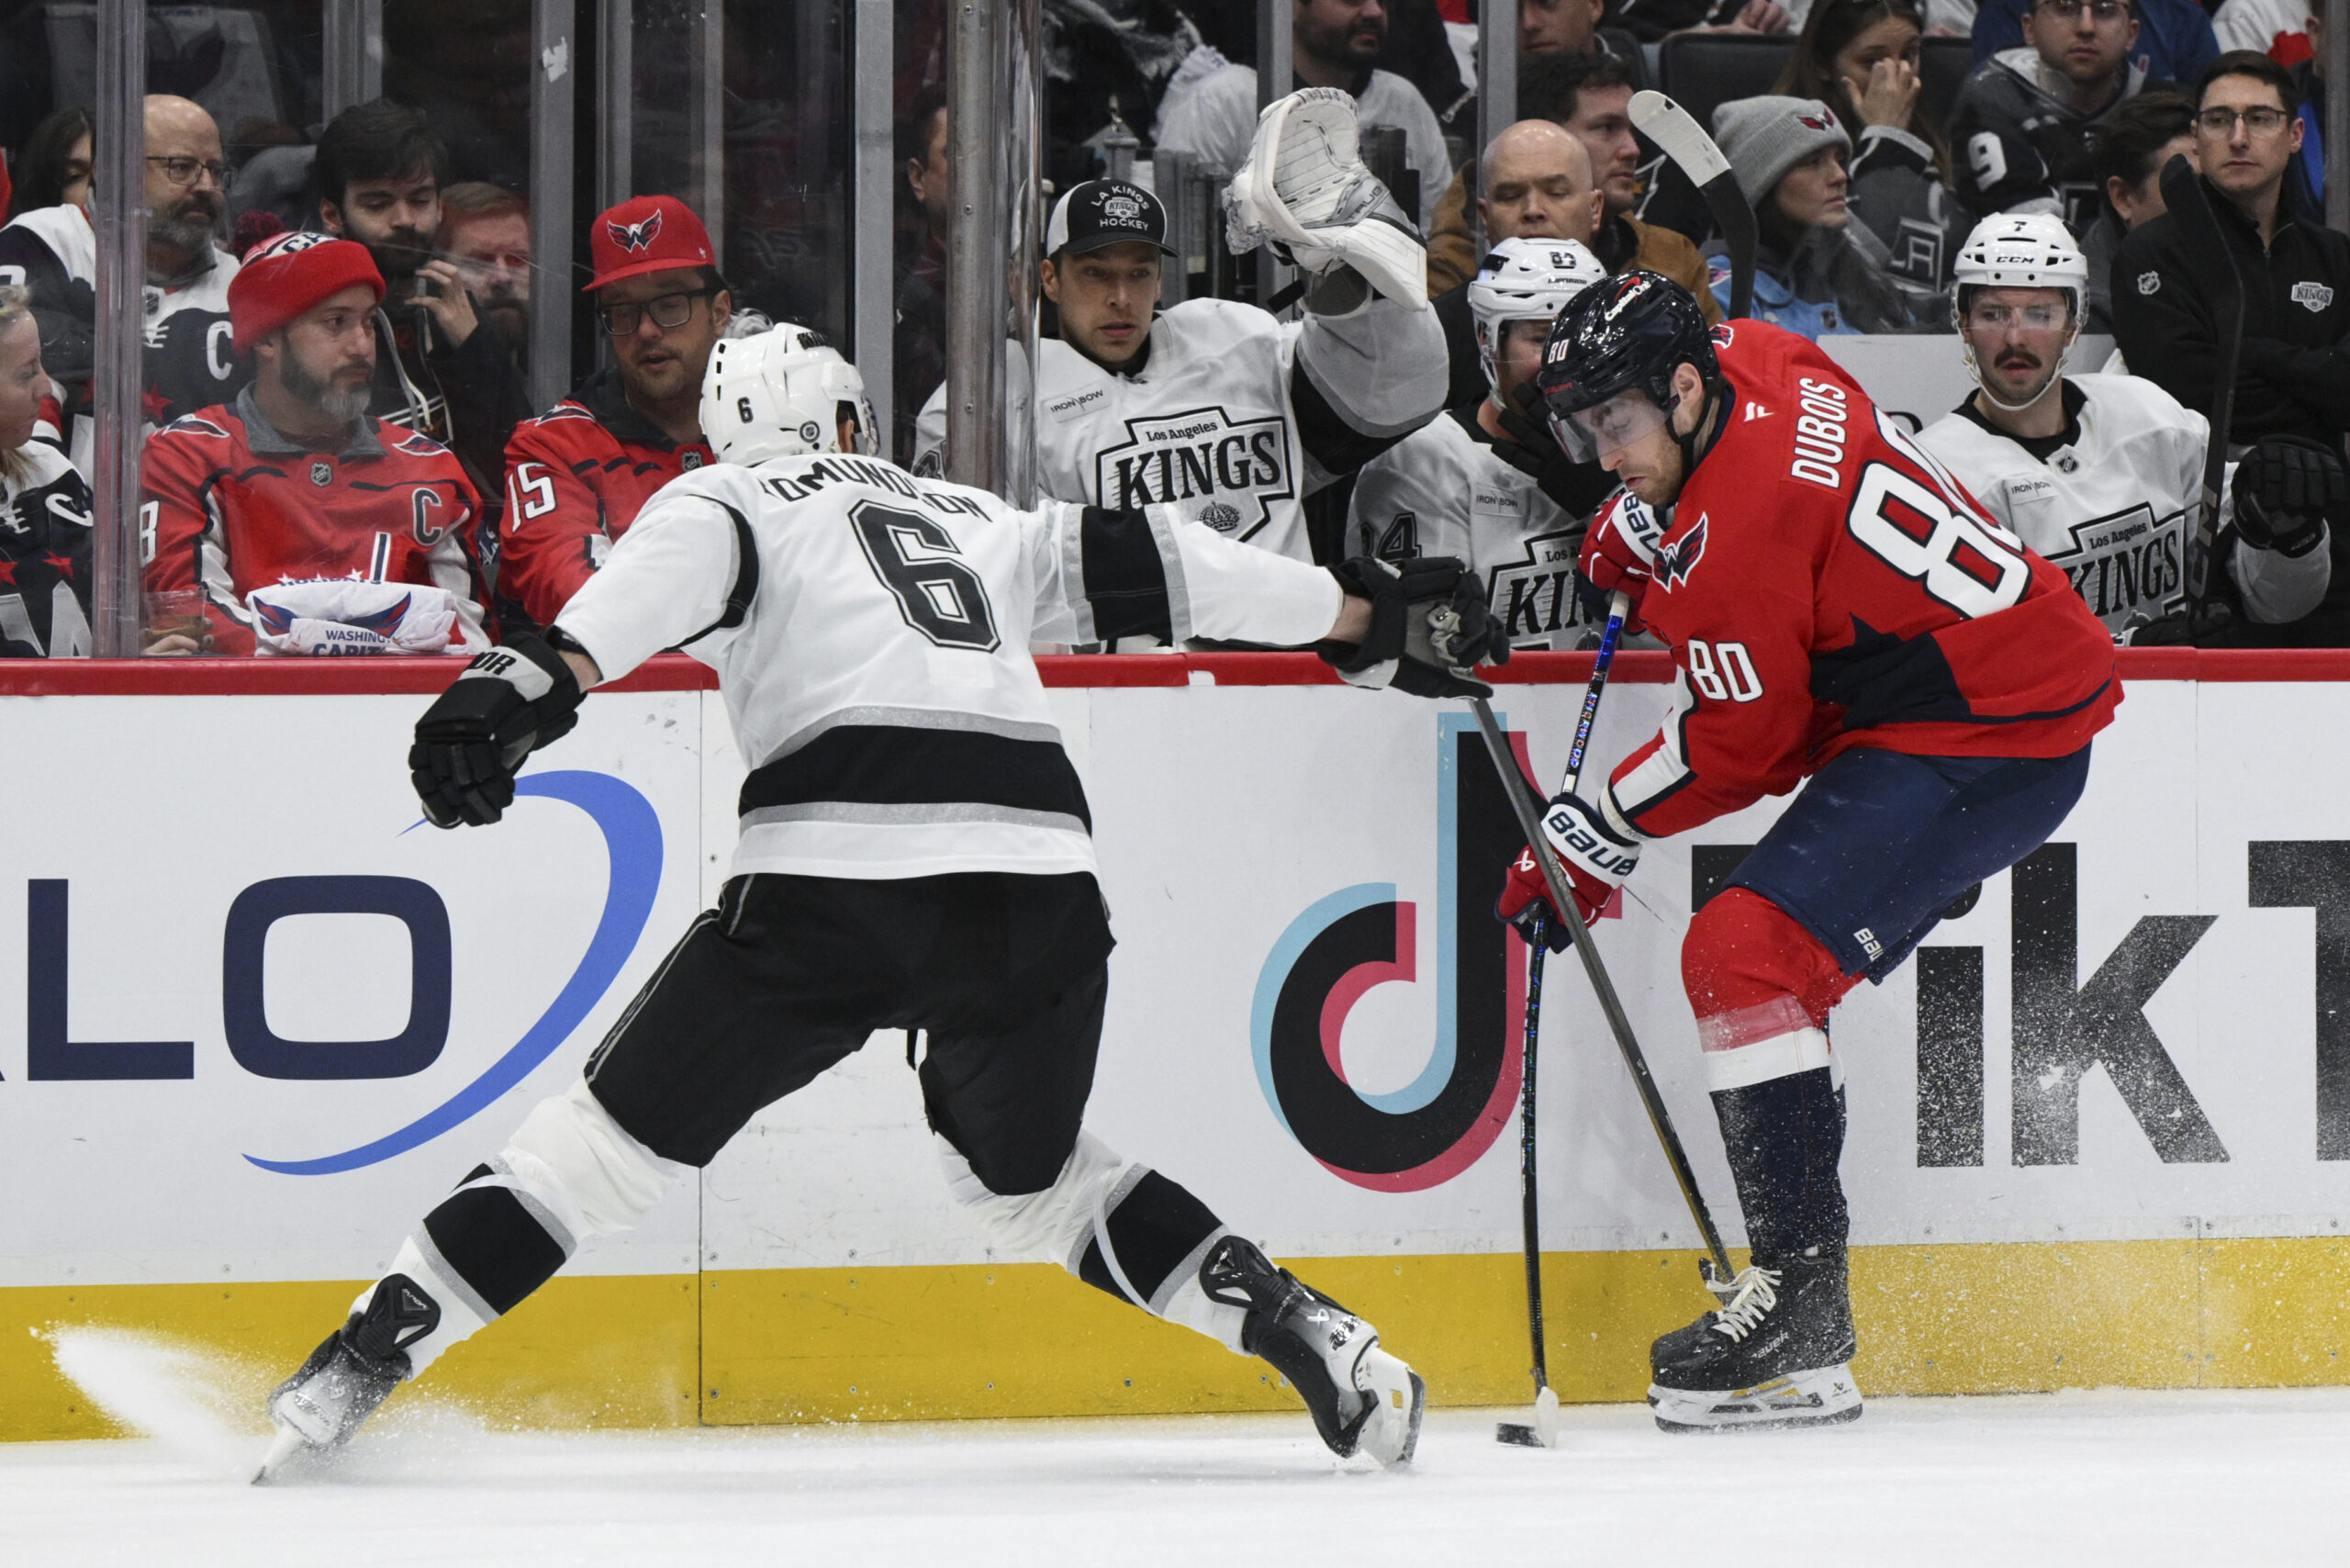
(1824, 584)
(575, 477)
(228, 505)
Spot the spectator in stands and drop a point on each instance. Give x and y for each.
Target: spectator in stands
(1651, 20)
(2307, 184)
(378, 172)
(1591, 96)
(1416, 49)
(1332, 43)
(54, 170)
(576, 476)
(1859, 57)
(486, 235)
(920, 338)
(1816, 272)
(2139, 139)
(2024, 121)
(2174, 44)
(1539, 186)
(307, 525)
(2294, 374)
(1562, 30)
(54, 252)
(45, 507)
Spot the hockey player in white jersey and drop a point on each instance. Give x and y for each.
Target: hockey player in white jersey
(1483, 482)
(915, 854)
(1219, 408)
(2103, 473)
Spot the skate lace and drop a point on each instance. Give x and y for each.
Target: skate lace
(1752, 1295)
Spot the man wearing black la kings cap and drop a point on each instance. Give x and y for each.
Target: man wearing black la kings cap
(1219, 408)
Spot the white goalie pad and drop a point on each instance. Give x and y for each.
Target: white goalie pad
(1304, 188)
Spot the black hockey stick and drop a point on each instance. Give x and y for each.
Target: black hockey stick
(1684, 142)
(1529, 1207)
(1529, 810)
(2223, 286)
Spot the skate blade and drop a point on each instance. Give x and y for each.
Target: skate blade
(1820, 1397)
(1392, 1429)
(285, 1449)
(1544, 1432)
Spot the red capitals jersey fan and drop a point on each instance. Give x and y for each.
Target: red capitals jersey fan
(1824, 584)
(230, 505)
(575, 477)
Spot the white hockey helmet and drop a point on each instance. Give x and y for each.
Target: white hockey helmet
(2018, 250)
(781, 393)
(1526, 280)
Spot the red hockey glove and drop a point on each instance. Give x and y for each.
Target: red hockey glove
(1596, 857)
(1620, 553)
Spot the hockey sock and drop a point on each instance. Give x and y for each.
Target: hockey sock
(1146, 1248)
(1784, 1137)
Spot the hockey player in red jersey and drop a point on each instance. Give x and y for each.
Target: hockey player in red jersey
(576, 476)
(294, 481)
(1840, 611)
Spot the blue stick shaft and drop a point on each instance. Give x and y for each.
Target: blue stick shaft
(1617, 608)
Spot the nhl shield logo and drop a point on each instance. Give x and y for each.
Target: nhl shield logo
(2148, 282)
(690, 461)
(321, 473)
(2312, 297)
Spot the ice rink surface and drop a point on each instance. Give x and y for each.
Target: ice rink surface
(2142, 1479)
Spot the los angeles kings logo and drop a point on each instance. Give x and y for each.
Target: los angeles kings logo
(1223, 472)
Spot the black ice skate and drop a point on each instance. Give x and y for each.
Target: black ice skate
(1360, 1397)
(1777, 1354)
(318, 1409)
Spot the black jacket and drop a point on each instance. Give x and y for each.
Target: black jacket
(2295, 371)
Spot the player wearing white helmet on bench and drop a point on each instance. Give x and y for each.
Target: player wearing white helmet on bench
(1220, 408)
(2103, 473)
(1486, 482)
(915, 853)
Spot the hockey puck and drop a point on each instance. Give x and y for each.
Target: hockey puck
(1517, 1434)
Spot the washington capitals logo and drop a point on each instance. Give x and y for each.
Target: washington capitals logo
(637, 236)
(1815, 123)
(1675, 561)
(278, 620)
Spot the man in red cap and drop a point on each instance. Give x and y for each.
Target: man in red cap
(295, 481)
(575, 476)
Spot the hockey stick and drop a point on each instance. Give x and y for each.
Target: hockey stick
(1545, 1430)
(1529, 812)
(2199, 229)
(1684, 142)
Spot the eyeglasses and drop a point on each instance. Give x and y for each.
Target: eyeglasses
(182, 172)
(2032, 317)
(2099, 10)
(2260, 120)
(668, 311)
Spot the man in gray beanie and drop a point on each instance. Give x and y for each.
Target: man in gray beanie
(1816, 272)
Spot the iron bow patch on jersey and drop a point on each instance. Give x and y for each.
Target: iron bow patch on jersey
(1675, 561)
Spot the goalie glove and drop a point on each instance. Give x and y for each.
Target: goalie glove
(1429, 627)
(1596, 849)
(509, 701)
(2287, 489)
(1305, 191)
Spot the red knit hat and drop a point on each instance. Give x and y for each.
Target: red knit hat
(286, 275)
(646, 234)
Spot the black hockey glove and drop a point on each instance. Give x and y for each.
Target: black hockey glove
(1428, 627)
(1576, 489)
(2215, 627)
(2287, 489)
(508, 701)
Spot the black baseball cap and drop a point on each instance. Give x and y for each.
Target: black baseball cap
(1105, 212)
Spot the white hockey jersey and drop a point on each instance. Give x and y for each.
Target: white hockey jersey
(1222, 422)
(870, 633)
(2114, 505)
(1441, 491)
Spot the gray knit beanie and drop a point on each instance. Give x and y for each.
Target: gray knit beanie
(1765, 137)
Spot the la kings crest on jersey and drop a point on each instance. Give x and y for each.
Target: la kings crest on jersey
(1442, 491)
(2112, 508)
(1206, 426)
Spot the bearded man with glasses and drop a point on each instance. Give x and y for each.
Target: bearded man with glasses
(53, 252)
(2293, 377)
(576, 476)
(2024, 123)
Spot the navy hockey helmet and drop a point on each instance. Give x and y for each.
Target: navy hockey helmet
(1623, 336)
